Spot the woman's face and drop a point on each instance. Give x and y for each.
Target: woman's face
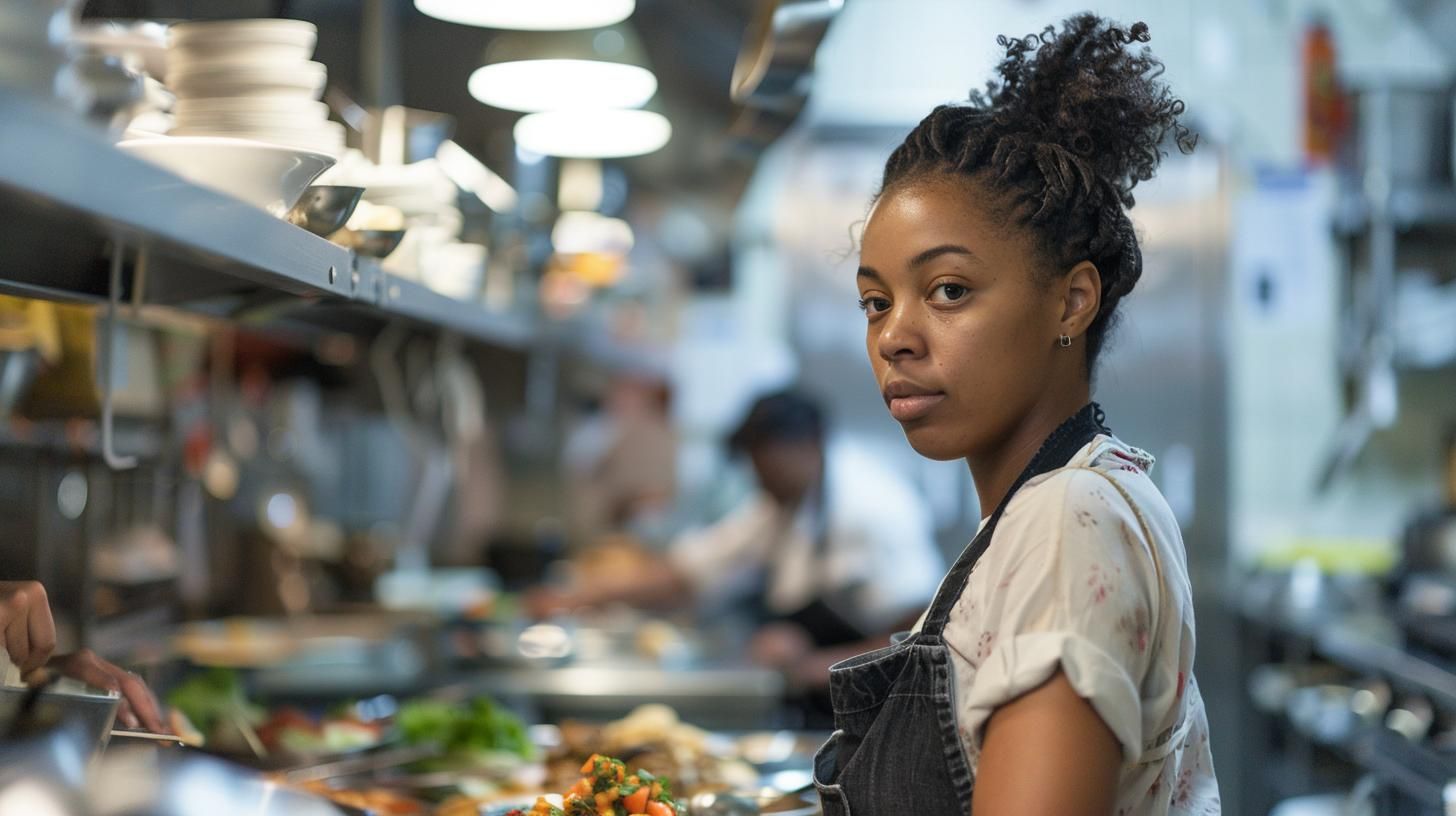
(961, 330)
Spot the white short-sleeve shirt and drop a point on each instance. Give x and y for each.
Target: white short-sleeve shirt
(1086, 573)
(879, 547)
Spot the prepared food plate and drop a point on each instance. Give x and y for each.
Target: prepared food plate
(604, 785)
(220, 715)
(653, 738)
(374, 801)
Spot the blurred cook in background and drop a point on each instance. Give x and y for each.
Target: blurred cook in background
(29, 631)
(621, 462)
(830, 554)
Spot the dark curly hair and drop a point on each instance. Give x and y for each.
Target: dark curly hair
(1073, 121)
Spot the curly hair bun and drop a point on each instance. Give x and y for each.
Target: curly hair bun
(1085, 103)
(1071, 123)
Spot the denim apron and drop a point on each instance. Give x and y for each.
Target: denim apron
(895, 748)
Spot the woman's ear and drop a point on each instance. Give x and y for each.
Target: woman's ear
(1081, 298)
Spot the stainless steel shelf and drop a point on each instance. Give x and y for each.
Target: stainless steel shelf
(67, 195)
(1368, 643)
(405, 298)
(80, 192)
(1372, 646)
(133, 438)
(1411, 207)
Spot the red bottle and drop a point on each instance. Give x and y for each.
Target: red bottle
(1324, 100)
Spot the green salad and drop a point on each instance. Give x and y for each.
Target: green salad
(213, 696)
(477, 733)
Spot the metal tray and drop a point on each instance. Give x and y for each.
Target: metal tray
(92, 714)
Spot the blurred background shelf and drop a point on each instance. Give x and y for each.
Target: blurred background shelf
(401, 297)
(1372, 646)
(80, 438)
(1412, 207)
(1366, 642)
(67, 195)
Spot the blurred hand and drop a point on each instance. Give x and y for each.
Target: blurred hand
(780, 645)
(812, 670)
(26, 623)
(30, 638)
(542, 602)
(138, 707)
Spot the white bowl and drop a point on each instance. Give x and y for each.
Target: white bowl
(328, 131)
(294, 105)
(300, 123)
(292, 113)
(231, 79)
(234, 59)
(318, 142)
(248, 54)
(265, 175)
(219, 36)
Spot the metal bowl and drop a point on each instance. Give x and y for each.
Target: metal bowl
(370, 243)
(325, 208)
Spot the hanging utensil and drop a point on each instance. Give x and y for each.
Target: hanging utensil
(108, 362)
(430, 455)
(1376, 400)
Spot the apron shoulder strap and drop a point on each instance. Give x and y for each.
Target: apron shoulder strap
(1058, 449)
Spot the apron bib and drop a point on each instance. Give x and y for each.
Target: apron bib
(896, 748)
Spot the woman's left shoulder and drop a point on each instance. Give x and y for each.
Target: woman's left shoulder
(1128, 471)
(1082, 496)
(1109, 453)
(1073, 520)
(1109, 481)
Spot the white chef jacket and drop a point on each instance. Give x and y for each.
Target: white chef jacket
(878, 550)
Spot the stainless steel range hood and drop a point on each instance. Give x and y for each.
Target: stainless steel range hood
(772, 76)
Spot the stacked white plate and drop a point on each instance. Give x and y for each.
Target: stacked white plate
(251, 79)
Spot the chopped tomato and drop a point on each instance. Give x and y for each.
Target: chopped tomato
(637, 802)
(607, 789)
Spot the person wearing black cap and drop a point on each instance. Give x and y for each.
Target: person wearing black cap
(830, 552)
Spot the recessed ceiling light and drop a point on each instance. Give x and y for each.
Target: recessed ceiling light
(530, 15)
(593, 134)
(552, 84)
